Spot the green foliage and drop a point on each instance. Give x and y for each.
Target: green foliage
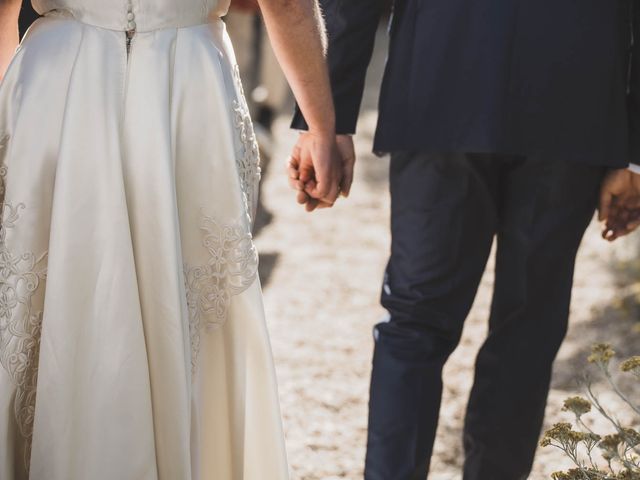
(619, 452)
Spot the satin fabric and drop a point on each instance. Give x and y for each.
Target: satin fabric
(148, 15)
(132, 335)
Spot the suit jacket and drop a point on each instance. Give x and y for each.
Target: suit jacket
(27, 17)
(548, 78)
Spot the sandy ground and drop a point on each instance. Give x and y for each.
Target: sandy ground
(322, 276)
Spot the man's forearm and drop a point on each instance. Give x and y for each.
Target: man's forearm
(352, 27)
(297, 34)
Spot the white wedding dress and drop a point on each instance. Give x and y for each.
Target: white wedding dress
(133, 344)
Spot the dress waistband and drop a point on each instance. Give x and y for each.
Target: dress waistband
(134, 17)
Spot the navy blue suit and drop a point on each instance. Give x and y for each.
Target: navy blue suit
(501, 117)
(27, 17)
(528, 77)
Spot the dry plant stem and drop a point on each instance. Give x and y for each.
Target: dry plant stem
(589, 448)
(623, 458)
(572, 453)
(584, 425)
(605, 370)
(616, 389)
(596, 403)
(569, 453)
(610, 466)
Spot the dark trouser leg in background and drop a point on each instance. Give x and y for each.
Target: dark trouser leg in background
(443, 223)
(546, 208)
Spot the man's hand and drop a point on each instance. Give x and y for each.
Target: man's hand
(620, 204)
(315, 170)
(347, 154)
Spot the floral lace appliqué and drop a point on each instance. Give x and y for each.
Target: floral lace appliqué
(231, 269)
(21, 276)
(248, 161)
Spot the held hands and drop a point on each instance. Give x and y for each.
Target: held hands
(620, 204)
(321, 169)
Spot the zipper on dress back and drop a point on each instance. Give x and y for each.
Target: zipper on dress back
(130, 34)
(131, 26)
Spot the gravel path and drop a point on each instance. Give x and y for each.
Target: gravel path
(322, 275)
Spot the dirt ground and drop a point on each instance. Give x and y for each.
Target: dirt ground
(322, 276)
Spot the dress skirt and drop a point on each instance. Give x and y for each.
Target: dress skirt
(133, 343)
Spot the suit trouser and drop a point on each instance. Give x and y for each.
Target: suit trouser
(446, 211)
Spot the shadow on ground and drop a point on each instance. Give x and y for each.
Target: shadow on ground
(264, 217)
(616, 323)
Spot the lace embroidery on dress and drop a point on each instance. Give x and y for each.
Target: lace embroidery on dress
(231, 269)
(21, 276)
(233, 259)
(249, 160)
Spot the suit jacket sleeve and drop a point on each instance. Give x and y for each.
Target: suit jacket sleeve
(351, 27)
(634, 87)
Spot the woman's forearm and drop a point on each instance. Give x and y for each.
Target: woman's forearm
(9, 36)
(9, 13)
(296, 30)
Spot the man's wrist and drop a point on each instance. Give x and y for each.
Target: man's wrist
(326, 127)
(327, 131)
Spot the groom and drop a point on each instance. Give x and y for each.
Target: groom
(504, 119)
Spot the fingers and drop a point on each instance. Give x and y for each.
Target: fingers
(293, 175)
(299, 186)
(347, 152)
(632, 226)
(314, 204)
(302, 197)
(634, 220)
(630, 220)
(327, 181)
(316, 192)
(622, 220)
(616, 185)
(311, 204)
(319, 170)
(324, 187)
(301, 163)
(327, 167)
(609, 234)
(606, 201)
(347, 179)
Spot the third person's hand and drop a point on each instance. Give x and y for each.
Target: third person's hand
(620, 203)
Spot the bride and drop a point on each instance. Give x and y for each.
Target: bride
(132, 337)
